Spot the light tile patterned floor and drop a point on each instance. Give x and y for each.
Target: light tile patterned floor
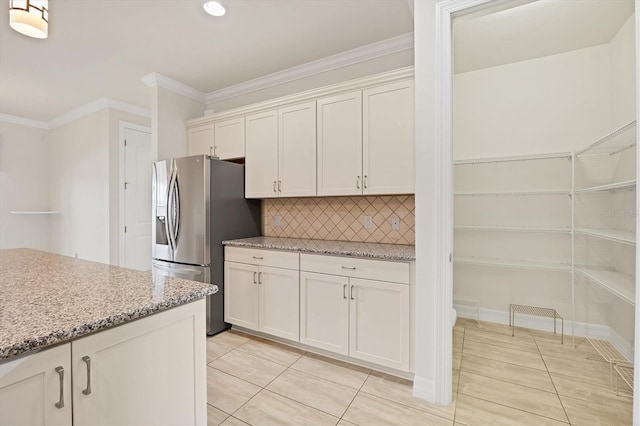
(529, 379)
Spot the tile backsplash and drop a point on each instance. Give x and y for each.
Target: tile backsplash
(341, 218)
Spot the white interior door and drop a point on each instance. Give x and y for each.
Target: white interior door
(137, 199)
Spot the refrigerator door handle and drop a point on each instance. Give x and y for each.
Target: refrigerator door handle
(176, 225)
(169, 220)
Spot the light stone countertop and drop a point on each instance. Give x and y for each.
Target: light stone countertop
(46, 299)
(396, 252)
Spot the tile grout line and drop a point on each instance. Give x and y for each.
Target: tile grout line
(552, 382)
(455, 410)
(354, 397)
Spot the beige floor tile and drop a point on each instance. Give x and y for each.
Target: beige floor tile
(268, 408)
(400, 391)
(232, 421)
(226, 392)
(473, 411)
(215, 416)
(216, 350)
(508, 372)
(596, 372)
(271, 351)
(591, 413)
(569, 386)
(370, 410)
(498, 353)
(516, 396)
(455, 378)
(313, 391)
(229, 338)
(247, 367)
(457, 358)
(337, 371)
(492, 327)
(345, 423)
(583, 349)
(524, 342)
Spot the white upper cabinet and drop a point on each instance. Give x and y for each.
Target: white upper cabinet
(261, 172)
(388, 139)
(340, 144)
(200, 139)
(229, 139)
(281, 152)
(297, 150)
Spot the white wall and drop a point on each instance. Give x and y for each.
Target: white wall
(362, 69)
(550, 104)
(80, 187)
(115, 116)
(24, 185)
(623, 74)
(169, 111)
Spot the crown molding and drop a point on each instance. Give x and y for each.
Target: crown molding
(321, 92)
(75, 114)
(360, 54)
(13, 119)
(155, 79)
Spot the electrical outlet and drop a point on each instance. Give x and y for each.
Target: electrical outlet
(277, 220)
(368, 222)
(395, 223)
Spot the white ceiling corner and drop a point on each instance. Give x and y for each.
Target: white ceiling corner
(155, 79)
(360, 54)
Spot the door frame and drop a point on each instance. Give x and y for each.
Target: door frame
(445, 11)
(122, 126)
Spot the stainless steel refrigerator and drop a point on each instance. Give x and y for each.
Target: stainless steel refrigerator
(197, 203)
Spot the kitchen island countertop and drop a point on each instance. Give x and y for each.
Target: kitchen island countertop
(395, 252)
(46, 299)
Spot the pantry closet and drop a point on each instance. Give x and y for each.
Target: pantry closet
(545, 191)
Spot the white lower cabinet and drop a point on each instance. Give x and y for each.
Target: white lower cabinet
(36, 389)
(364, 319)
(150, 371)
(263, 298)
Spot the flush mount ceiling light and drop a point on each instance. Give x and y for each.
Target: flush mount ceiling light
(30, 17)
(214, 8)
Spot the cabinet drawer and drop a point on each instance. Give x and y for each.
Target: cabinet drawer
(380, 270)
(274, 258)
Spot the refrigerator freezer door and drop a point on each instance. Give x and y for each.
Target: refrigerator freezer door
(188, 210)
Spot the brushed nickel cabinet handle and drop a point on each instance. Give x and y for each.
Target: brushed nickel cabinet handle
(255, 280)
(344, 291)
(274, 186)
(210, 154)
(351, 268)
(60, 372)
(279, 186)
(258, 257)
(352, 298)
(87, 360)
(365, 181)
(259, 277)
(358, 183)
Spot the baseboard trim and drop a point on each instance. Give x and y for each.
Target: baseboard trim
(424, 388)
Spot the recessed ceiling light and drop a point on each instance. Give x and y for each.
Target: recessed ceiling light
(214, 8)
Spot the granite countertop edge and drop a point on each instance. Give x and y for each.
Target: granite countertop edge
(36, 344)
(319, 250)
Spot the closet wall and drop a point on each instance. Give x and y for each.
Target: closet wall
(558, 103)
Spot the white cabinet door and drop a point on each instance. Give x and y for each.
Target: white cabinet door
(379, 323)
(36, 389)
(340, 144)
(388, 139)
(229, 138)
(200, 140)
(297, 150)
(241, 295)
(261, 172)
(151, 371)
(324, 312)
(279, 302)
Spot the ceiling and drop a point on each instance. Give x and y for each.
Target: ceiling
(523, 30)
(101, 48)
